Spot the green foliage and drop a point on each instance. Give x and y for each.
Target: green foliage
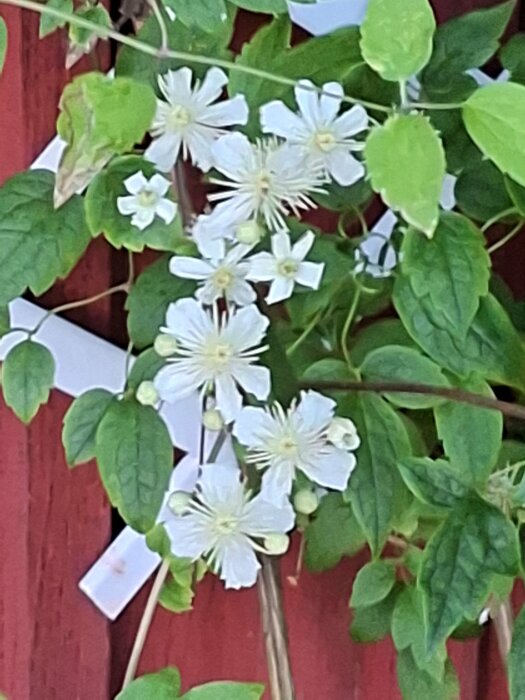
(163, 685)
(373, 583)
(5, 323)
(38, 244)
(99, 117)
(269, 6)
(376, 490)
(397, 363)
(480, 191)
(471, 436)
(397, 37)
(516, 659)
(494, 117)
(27, 378)
(148, 301)
(145, 367)
(474, 543)
(517, 195)
(225, 690)
(332, 534)
(434, 482)
(205, 15)
(135, 459)
(48, 23)
(81, 423)
(104, 217)
(512, 57)
(406, 165)
(3, 43)
(416, 683)
(372, 623)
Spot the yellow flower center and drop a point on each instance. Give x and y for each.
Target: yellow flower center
(288, 268)
(222, 278)
(286, 447)
(225, 525)
(263, 183)
(147, 198)
(325, 141)
(179, 117)
(218, 356)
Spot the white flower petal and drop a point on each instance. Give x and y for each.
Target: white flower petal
(280, 289)
(159, 185)
(251, 424)
(315, 410)
(278, 119)
(228, 397)
(164, 151)
(332, 469)
(174, 382)
(190, 268)
(135, 183)
(199, 141)
(246, 328)
(254, 379)
(167, 210)
(330, 104)
(185, 474)
(277, 482)
(263, 267)
(344, 168)
(221, 483)
(237, 562)
(212, 86)
(308, 100)
(188, 321)
(189, 536)
(309, 274)
(264, 517)
(303, 246)
(241, 293)
(142, 218)
(227, 113)
(176, 84)
(232, 153)
(127, 205)
(281, 245)
(351, 122)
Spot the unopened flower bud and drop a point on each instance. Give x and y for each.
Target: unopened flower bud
(343, 434)
(212, 419)
(305, 502)
(277, 543)
(249, 232)
(165, 345)
(178, 501)
(147, 394)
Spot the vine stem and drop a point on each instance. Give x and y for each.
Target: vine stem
(274, 630)
(508, 237)
(145, 623)
(458, 395)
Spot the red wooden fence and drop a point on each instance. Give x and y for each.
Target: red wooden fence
(54, 522)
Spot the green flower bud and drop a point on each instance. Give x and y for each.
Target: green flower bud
(276, 543)
(146, 394)
(178, 501)
(249, 232)
(165, 345)
(305, 502)
(212, 419)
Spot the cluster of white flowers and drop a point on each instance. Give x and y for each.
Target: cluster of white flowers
(213, 342)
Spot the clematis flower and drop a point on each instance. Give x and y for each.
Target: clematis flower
(226, 526)
(214, 352)
(285, 266)
(321, 134)
(220, 278)
(146, 200)
(265, 182)
(191, 119)
(281, 442)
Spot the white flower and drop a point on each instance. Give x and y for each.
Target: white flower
(147, 200)
(285, 266)
(214, 352)
(226, 526)
(342, 432)
(222, 278)
(321, 134)
(281, 442)
(266, 181)
(191, 118)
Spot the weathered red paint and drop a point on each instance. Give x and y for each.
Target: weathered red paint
(54, 522)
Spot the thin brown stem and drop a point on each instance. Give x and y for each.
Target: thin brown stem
(459, 395)
(274, 631)
(183, 196)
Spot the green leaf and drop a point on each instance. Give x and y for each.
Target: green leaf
(373, 583)
(103, 215)
(145, 367)
(283, 378)
(99, 117)
(451, 271)
(480, 191)
(145, 68)
(225, 690)
(28, 375)
(163, 685)
(398, 363)
(81, 423)
(48, 23)
(517, 195)
(332, 534)
(396, 37)
(460, 149)
(5, 321)
(3, 43)
(491, 347)
(516, 659)
(512, 57)
(386, 331)
(206, 15)
(457, 45)
(372, 623)
(38, 244)
(434, 482)
(471, 436)
(406, 164)
(135, 460)
(475, 542)
(177, 593)
(494, 117)
(149, 299)
(268, 6)
(416, 683)
(376, 489)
